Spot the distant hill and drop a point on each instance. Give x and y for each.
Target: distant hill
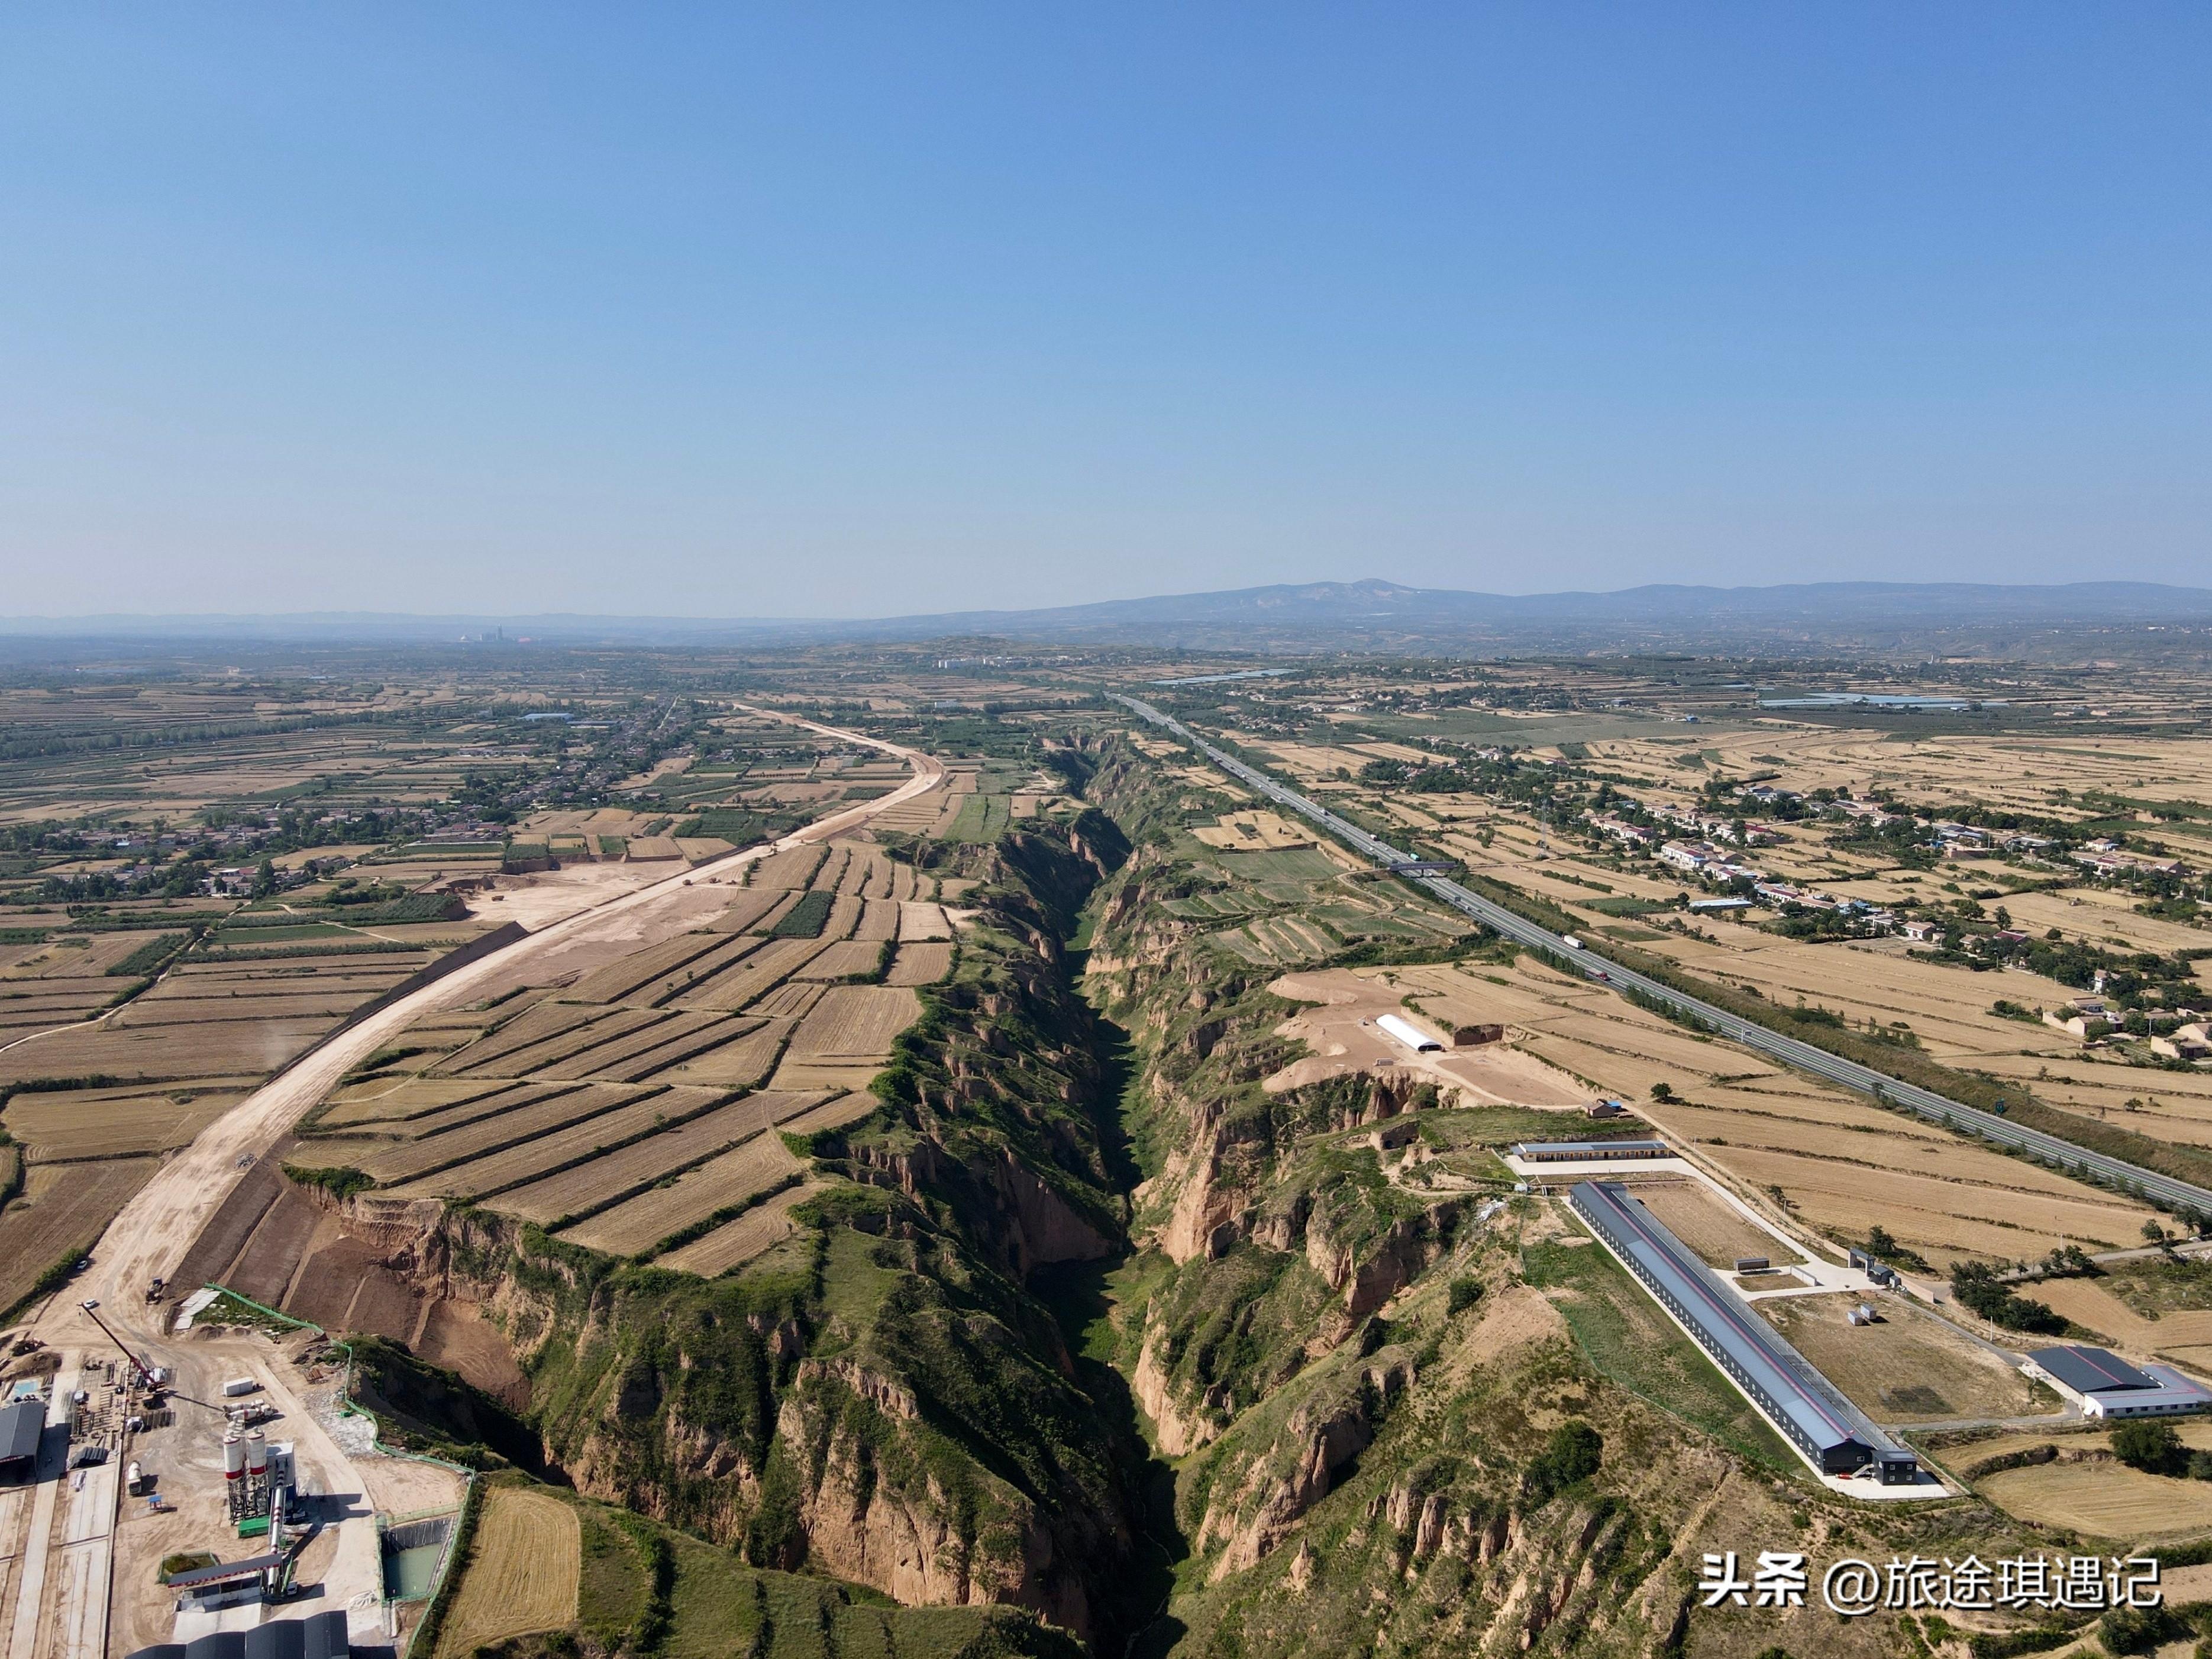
(1322, 616)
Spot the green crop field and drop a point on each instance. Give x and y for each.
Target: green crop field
(805, 919)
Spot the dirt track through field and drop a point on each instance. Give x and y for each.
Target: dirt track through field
(155, 1229)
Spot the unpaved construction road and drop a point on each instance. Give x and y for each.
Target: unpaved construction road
(155, 1229)
(64, 1613)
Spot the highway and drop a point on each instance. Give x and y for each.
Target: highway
(2162, 1190)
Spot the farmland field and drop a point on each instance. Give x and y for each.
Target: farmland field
(855, 1022)
(736, 1243)
(59, 1127)
(618, 1046)
(510, 1165)
(519, 1027)
(921, 964)
(484, 1098)
(606, 1179)
(743, 1062)
(793, 1000)
(638, 1223)
(765, 969)
(436, 1144)
(520, 1575)
(921, 921)
(63, 1209)
(241, 1046)
(2101, 1500)
(751, 908)
(523, 1058)
(879, 920)
(75, 955)
(832, 1114)
(1843, 1164)
(790, 872)
(845, 960)
(1718, 1234)
(512, 1104)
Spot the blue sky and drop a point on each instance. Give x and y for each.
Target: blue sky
(859, 309)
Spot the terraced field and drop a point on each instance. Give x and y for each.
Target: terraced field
(592, 1187)
(738, 1242)
(923, 963)
(642, 1097)
(636, 1225)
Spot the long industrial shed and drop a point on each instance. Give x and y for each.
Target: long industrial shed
(2179, 1196)
(1833, 1435)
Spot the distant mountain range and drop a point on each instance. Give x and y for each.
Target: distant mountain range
(1319, 616)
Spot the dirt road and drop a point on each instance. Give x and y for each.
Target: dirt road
(159, 1225)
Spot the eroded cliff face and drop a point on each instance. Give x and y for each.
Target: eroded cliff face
(880, 1398)
(1377, 1416)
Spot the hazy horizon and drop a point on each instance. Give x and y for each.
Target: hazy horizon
(884, 313)
(1843, 605)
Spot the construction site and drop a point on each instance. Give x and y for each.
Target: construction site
(192, 1480)
(182, 1472)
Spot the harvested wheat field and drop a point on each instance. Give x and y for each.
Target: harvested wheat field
(619, 1048)
(544, 1153)
(638, 1223)
(73, 956)
(617, 1174)
(1942, 1217)
(751, 909)
(847, 959)
(657, 992)
(598, 1026)
(845, 913)
(761, 972)
(520, 1575)
(240, 1045)
(488, 1131)
(855, 1022)
(642, 1060)
(628, 974)
(921, 921)
(533, 1023)
(55, 1128)
(736, 1243)
(742, 1063)
(833, 1114)
(489, 1101)
(921, 963)
(63, 1208)
(861, 873)
(791, 1001)
(789, 870)
(2103, 1500)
